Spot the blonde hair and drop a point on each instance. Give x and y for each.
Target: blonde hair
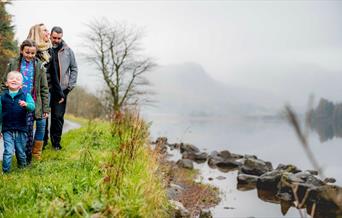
(36, 34)
(16, 73)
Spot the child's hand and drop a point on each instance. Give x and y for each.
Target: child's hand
(22, 103)
(45, 115)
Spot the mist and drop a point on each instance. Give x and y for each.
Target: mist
(282, 51)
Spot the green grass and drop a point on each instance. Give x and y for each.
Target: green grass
(94, 173)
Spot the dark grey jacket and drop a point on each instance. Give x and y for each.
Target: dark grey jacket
(67, 67)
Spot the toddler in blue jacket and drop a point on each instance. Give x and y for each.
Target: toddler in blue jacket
(14, 106)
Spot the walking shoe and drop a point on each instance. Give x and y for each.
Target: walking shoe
(58, 147)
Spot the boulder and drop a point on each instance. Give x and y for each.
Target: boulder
(246, 182)
(269, 181)
(288, 168)
(225, 154)
(185, 163)
(198, 157)
(268, 196)
(255, 167)
(227, 165)
(188, 147)
(329, 180)
(224, 160)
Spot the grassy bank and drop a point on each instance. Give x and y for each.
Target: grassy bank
(103, 170)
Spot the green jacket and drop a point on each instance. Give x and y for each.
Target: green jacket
(41, 86)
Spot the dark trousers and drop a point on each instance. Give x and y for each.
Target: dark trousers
(57, 121)
(29, 143)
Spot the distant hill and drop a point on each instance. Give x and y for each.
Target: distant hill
(187, 89)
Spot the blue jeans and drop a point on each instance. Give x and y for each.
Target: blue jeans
(38, 135)
(40, 129)
(14, 140)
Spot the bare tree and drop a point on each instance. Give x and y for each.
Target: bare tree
(116, 51)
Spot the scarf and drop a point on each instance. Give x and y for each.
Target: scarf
(43, 54)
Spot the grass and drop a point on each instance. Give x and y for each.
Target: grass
(103, 170)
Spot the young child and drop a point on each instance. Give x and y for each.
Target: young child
(14, 105)
(34, 83)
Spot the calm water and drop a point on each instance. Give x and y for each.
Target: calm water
(271, 140)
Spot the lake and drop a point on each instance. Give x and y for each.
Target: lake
(271, 140)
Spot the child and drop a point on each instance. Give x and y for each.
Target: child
(14, 105)
(34, 83)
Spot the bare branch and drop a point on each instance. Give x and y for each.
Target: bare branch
(114, 49)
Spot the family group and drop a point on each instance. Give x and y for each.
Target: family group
(35, 84)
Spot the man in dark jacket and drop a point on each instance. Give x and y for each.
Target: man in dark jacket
(66, 69)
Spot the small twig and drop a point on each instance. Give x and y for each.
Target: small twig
(313, 210)
(292, 118)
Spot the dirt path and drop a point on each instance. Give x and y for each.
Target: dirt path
(68, 125)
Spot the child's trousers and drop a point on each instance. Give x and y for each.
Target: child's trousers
(14, 140)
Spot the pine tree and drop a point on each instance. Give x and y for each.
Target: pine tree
(8, 46)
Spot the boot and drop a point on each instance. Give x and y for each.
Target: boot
(37, 150)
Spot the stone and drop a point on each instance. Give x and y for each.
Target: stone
(228, 164)
(161, 140)
(185, 163)
(288, 168)
(198, 157)
(173, 191)
(179, 210)
(205, 213)
(225, 154)
(329, 180)
(220, 178)
(246, 182)
(255, 167)
(269, 181)
(247, 179)
(188, 147)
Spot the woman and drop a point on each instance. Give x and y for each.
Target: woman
(40, 35)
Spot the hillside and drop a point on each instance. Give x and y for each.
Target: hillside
(187, 89)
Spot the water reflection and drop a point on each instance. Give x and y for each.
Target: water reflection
(326, 120)
(274, 141)
(285, 185)
(315, 208)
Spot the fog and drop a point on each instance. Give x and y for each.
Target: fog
(284, 49)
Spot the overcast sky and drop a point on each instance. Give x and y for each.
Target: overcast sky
(280, 46)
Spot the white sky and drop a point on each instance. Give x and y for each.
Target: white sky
(268, 45)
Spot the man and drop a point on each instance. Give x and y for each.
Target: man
(66, 71)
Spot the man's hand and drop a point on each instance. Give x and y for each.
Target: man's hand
(61, 101)
(22, 103)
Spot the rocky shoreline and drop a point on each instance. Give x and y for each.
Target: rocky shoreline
(286, 184)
